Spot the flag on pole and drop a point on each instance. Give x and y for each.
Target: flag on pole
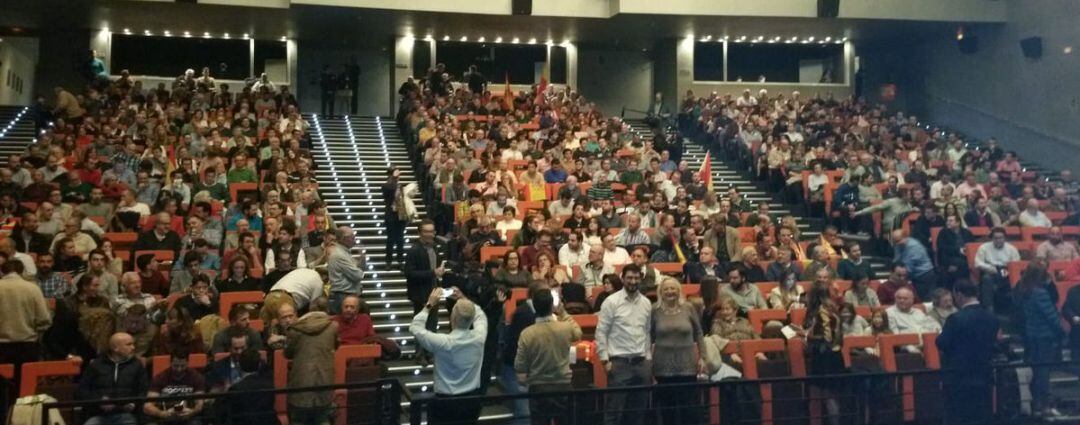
(540, 90)
(508, 95)
(678, 251)
(706, 172)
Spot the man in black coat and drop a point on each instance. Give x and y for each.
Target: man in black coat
(423, 268)
(395, 225)
(242, 406)
(26, 237)
(967, 344)
(115, 375)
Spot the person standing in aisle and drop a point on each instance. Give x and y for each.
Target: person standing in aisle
(395, 216)
(458, 356)
(967, 346)
(327, 90)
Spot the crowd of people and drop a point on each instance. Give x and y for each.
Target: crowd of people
(537, 189)
(135, 214)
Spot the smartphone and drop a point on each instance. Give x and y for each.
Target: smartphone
(554, 297)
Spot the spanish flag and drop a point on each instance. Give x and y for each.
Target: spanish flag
(508, 95)
(541, 89)
(706, 172)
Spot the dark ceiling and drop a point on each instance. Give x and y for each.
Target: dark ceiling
(371, 26)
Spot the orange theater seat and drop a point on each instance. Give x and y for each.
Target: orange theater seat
(33, 371)
(758, 318)
(7, 370)
(852, 342)
(490, 252)
(158, 364)
(236, 188)
(228, 299)
(889, 345)
(516, 295)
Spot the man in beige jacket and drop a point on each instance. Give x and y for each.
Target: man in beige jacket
(26, 317)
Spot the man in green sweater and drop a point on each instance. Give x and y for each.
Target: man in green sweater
(542, 360)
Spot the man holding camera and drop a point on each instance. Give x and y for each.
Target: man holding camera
(458, 354)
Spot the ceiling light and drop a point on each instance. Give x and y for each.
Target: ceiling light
(843, 40)
(168, 33)
(565, 43)
(284, 38)
(532, 40)
(147, 32)
(498, 39)
(464, 38)
(724, 39)
(187, 33)
(516, 40)
(206, 35)
(550, 43)
(811, 38)
(428, 37)
(446, 38)
(481, 39)
(127, 31)
(1067, 50)
(247, 36)
(226, 35)
(827, 39)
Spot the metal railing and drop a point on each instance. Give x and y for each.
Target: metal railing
(376, 402)
(916, 396)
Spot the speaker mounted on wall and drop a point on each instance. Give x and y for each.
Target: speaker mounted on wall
(828, 8)
(521, 7)
(1032, 47)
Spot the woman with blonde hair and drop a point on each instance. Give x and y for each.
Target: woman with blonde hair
(675, 331)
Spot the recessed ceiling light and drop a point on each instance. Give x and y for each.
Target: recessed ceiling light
(550, 43)
(1067, 49)
(446, 38)
(226, 35)
(127, 31)
(827, 39)
(532, 40)
(247, 36)
(565, 43)
(498, 39)
(147, 32)
(811, 38)
(187, 33)
(516, 40)
(168, 33)
(284, 38)
(206, 35)
(428, 37)
(464, 38)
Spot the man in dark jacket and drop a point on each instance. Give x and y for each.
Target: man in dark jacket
(423, 269)
(967, 344)
(112, 376)
(244, 407)
(27, 238)
(393, 216)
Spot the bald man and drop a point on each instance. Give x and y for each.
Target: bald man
(117, 374)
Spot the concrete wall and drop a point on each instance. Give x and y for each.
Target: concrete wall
(18, 59)
(1031, 106)
(615, 78)
(377, 71)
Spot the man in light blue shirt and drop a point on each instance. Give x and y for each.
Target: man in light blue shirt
(622, 342)
(913, 255)
(458, 356)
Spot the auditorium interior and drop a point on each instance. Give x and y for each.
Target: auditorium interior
(539, 212)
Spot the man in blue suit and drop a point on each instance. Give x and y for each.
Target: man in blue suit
(967, 344)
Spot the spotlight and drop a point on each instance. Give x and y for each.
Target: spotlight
(516, 40)
(127, 31)
(498, 39)
(464, 38)
(446, 38)
(284, 38)
(550, 43)
(428, 37)
(532, 40)
(247, 36)
(226, 36)
(147, 32)
(168, 33)
(187, 34)
(481, 39)
(206, 35)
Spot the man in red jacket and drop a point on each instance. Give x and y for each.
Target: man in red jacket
(354, 324)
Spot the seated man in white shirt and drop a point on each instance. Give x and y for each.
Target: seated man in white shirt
(1031, 216)
(575, 252)
(904, 318)
(614, 255)
(992, 260)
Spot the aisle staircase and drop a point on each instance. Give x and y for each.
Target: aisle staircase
(353, 155)
(16, 131)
